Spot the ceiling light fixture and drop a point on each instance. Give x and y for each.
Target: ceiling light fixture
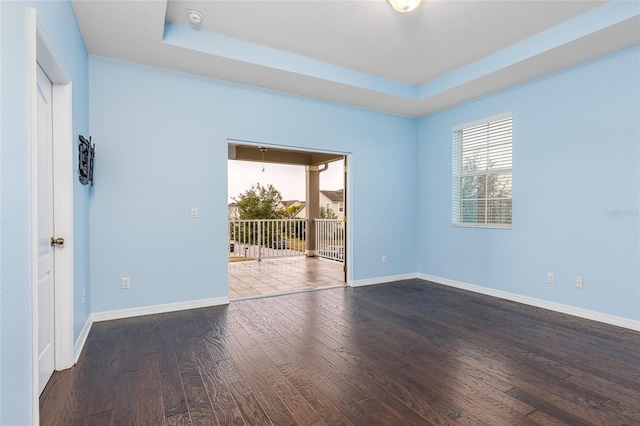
(404, 6)
(262, 150)
(194, 16)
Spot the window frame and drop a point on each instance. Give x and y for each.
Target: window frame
(457, 174)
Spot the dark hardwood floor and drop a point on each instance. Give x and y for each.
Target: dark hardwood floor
(406, 353)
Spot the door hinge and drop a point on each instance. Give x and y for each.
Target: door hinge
(345, 169)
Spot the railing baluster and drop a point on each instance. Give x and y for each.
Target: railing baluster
(264, 238)
(330, 239)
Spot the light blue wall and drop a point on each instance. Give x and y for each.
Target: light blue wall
(576, 156)
(161, 140)
(58, 20)
(161, 149)
(15, 294)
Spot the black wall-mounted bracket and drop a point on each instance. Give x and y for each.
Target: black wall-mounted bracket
(86, 152)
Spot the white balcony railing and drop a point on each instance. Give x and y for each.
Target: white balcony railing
(259, 239)
(266, 238)
(330, 239)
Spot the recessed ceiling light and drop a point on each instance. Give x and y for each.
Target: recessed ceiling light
(404, 6)
(194, 16)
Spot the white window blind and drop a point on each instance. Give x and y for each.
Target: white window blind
(482, 173)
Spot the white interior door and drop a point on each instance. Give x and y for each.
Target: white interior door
(44, 231)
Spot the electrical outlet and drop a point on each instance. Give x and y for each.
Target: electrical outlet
(551, 277)
(579, 282)
(126, 282)
(194, 212)
(384, 259)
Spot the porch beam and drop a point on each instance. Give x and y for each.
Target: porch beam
(280, 156)
(312, 174)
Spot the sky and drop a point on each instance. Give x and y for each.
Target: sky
(289, 180)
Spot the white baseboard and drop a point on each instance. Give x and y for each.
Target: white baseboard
(158, 309)
(82, 339)
(382, 280)
(545, 304)
(136, 312)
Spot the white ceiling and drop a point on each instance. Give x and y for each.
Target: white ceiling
(361, 52)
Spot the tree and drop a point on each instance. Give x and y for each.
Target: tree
(259, 202)
(327, 213)
(292, 211)
(485, 196)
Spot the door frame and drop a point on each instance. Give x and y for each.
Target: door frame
(41, 51)
(348, 159)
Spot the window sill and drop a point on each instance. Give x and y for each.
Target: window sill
(482, 225)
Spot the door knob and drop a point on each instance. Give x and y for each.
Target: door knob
(57, 241)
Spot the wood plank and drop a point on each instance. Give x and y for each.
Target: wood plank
(151, 410)
(249, 406)
(570, 398)
(180, 419)
(99, 419)
(125, 410)
(130, 351)
(309, 380)
(408, 352)
(225, 408)
(57, 400)
(269, 399)
(382, 414)
(543, 419)
(419, 405)
(550, 410)
(197, 399)
(108, 361)
(149, 334)
(173, 397)
(302, 411)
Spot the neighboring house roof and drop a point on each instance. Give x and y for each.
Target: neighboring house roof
(335, 196)
(289, 203)
(233, 205)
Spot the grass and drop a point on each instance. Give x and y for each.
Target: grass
(296, 244)
(234, 259)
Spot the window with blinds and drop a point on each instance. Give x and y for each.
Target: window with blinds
(482, 173)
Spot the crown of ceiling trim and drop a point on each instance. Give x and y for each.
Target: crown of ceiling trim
(600, 31)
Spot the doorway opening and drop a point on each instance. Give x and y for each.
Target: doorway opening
(287, 228)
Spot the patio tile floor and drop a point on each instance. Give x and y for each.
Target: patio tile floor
(272, 276)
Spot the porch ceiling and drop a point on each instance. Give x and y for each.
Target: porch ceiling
(281, 155)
